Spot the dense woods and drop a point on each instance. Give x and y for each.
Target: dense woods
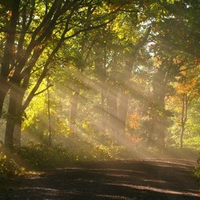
(98, 79)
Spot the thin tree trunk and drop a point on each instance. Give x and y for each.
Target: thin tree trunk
(183, 117)
(123, 101)
(49, 115)
(3, 92)
(150, 133)
(112, 111)
(100, 65)
(182, 134)
(122, 112)
(73, 112)
(103, 115)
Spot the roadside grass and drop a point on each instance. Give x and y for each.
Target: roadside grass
(37, 156)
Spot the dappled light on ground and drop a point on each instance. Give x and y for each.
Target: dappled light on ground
(139, 179)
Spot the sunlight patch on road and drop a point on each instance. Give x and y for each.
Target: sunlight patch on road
(153, 189)
(154, 181)
(118, 175)
(114, 197)
(44, 190)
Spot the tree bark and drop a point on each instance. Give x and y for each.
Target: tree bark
(122, 111)
(183, 117)
(157, 105)
(123, 101)
(8, 58)
(17, 134)
(4, 88)
(49, 115)
(73, 112)
(15, 114)
(11, 117)
(103, 114)
(112, 111)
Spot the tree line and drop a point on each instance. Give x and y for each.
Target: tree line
(128, 69)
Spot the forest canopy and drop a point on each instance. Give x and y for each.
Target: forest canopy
(100, 74)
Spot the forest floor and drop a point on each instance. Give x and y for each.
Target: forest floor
(147, 179)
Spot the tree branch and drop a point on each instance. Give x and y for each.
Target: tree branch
(50, 85)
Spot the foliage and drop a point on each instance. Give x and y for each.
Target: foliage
(9, 166)
(196, 172)
(40, 156)
(192, 141)
(27, 59)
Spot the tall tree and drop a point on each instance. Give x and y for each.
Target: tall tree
(172, 22)
(187, 89)
(36, 30)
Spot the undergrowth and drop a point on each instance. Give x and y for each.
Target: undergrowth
(40, 156)
(9, 167)
(197, 172)
(37, 156)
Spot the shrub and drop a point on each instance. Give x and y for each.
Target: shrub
(40, 156)
(8, 166)
(197, 173)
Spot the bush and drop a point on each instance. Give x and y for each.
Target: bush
(197, 172)
(8, 166)
(40, 156)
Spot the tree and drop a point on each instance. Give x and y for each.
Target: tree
(35, 31)
(172, 38)
(187, 90)
(40, 37)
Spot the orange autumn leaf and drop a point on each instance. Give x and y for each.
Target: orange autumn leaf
(9, 15)
(198, 61)
(134, 121)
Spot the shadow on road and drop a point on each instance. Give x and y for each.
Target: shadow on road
(137, 180)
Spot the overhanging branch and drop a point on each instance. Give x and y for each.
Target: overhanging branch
(40, 92)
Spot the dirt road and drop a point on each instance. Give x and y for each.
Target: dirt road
(136, 180)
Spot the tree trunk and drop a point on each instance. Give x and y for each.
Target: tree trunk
(157, 114)
(17, 134)
(182, 134)
(49, 115)
(3, 92)
(112, 111)
(103, 114)
(7, 59)
(14, 117)
(150, 133)
(123, 101)
(11, 120)
(73, 112)
(183, 117)
(122, 112)
(100, 65)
